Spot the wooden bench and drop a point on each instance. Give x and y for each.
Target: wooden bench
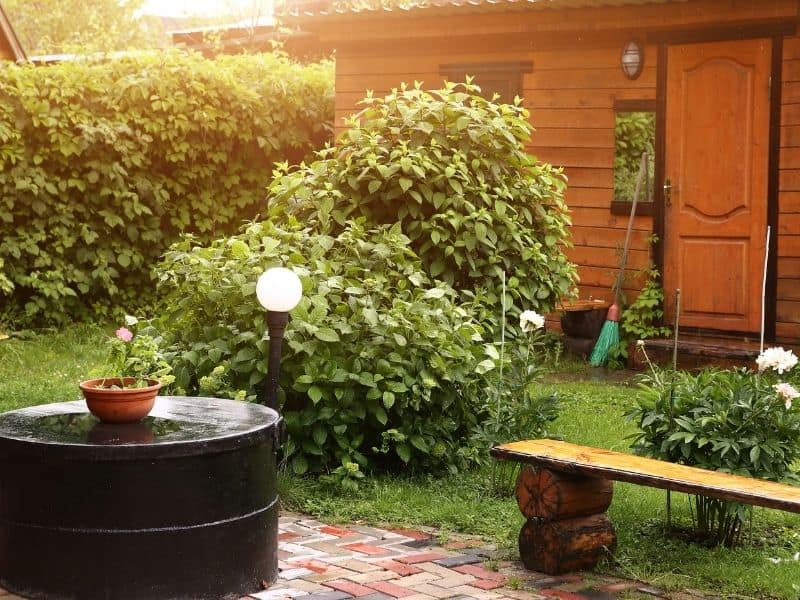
(567, 489)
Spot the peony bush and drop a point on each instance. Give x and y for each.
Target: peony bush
(735, 421)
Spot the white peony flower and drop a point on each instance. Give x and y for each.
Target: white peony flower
(530, 320)
(776, 358)
(787, 393)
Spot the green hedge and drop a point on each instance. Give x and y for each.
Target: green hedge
(105, 164)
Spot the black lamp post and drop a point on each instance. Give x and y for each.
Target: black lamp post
(278, 290)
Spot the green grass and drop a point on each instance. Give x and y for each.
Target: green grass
(42, 368)
(47, 368)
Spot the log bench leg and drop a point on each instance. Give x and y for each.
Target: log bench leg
(567, 528)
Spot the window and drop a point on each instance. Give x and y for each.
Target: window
(504, 79)
(634, 134)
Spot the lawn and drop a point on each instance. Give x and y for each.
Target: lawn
(46, 367)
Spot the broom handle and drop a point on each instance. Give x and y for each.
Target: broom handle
(637, 190)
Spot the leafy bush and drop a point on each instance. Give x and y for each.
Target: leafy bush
(722, 420)
(103, 164)
(450, 167)
(515, 408)
(640, 320)
(380, 367)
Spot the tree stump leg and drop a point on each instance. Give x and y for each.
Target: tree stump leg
(567, 529)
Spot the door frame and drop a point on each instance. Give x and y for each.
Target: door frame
(775, 33)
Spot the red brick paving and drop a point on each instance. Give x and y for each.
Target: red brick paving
(489, 584)
(398, 567)
(366, 563)
(390, 589)
(480, 572)
(337, 531)
(365, 548)
(413, 559)
(354, 589)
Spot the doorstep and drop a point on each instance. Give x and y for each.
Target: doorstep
(699, 351)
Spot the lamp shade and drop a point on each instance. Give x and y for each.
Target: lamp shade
(632, 59)
(279, 289)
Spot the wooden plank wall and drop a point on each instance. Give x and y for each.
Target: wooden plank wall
(5, 49)
(570, 95)
(788, 308)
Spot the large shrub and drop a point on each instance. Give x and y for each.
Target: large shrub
(380, 365)
(451, 168)
(103, 164)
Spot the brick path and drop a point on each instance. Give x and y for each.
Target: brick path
(354, 562)
(322, 562)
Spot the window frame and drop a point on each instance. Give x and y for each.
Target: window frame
(510, 71)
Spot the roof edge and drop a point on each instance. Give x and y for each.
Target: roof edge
(304, 10)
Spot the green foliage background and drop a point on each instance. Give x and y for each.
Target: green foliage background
(62, 26)
(104, 164)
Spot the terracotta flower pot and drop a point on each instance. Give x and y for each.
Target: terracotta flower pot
(120, 405)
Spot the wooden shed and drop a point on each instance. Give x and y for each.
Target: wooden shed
(10, 48)
(722, 81)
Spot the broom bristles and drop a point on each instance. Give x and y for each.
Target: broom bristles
(608, 338)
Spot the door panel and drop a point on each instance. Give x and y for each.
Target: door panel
(717, 140)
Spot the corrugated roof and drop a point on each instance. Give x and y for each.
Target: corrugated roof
(326, 8)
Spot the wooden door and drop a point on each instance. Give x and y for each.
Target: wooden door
(716, 159)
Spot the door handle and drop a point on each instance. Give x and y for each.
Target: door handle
(668, 192)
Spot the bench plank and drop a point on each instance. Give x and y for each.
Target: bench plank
(572, 458)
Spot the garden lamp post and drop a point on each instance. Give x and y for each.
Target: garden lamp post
(278, 290)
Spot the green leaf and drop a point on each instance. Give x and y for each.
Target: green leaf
(315, 394)
(403, 452)
(326, 334)
(299, 464)
(437, 292)
(419, 443)
(484, 366)
(246, 354)
(320, 434)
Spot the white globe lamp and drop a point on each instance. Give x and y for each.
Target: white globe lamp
(278, 290)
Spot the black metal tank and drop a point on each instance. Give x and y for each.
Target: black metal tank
(181, 505)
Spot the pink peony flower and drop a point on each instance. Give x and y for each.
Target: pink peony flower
(124, 334)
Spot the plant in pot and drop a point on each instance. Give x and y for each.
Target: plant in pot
(136, 371)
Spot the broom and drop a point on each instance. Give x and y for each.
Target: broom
(609, 334)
